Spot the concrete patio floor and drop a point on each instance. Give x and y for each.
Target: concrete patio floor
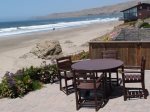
(51, 99)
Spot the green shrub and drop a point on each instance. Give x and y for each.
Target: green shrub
(36, 85)
(7, 87)
(4, 89)
(25, 80)
(32, 72)
(80, 56)
(145, 25)
(22, 89)
(53, 72)
(48, 73)
(22, 85)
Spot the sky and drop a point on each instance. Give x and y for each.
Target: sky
(23, 9)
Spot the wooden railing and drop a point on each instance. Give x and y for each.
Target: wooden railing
(129, 52)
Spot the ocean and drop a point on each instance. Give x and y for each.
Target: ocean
(29, 26)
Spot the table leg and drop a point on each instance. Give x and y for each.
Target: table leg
(109, 78)
(107, 84)
(106, 89)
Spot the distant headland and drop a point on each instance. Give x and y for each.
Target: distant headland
(111, 10)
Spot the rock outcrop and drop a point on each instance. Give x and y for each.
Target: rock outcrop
(47, 49)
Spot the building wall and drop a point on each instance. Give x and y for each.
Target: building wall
(143, 11)
(142, 14)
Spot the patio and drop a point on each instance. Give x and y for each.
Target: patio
(51, 99)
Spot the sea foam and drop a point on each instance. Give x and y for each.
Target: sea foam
(59, 25)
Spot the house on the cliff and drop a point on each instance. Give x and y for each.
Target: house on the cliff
(139, 11)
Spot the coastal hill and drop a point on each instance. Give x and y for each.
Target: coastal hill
(138, 30)
(112, 9)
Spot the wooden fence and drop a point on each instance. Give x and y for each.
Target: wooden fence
(129, 52)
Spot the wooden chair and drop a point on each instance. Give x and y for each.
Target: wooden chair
(107, 54)
(134, 74)
(88, 89)
(65, 72)
(110, 54)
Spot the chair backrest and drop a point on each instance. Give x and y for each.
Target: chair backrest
(64, 63)
(110, 54)
(84, 77)
(143, 64)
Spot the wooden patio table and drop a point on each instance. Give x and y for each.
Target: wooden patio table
(98, 65)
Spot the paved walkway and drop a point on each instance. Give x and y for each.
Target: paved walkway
(50, 99)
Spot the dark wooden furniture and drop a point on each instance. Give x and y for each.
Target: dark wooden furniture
(111, 54)
(88, 88)
(90, 68)
(97, 65)
(65, 72)
(134, 74)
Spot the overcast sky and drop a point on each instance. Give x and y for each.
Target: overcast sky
(19, 9)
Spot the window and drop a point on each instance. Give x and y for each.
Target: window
(133, 10)
(126, 16)
(130, 13)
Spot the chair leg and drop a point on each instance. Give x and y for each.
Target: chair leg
(105, 85)
(96, 103)
(124, 89)
(66, 87)
(77, 95)
(60, 84)
(143, 88)
(124, 92)
(117, 78)
(110, 86)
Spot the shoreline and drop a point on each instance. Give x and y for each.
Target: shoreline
(71, 41)
(21, 40)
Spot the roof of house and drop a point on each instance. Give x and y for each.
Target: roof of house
(135, 6)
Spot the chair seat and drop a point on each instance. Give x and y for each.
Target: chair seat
(132, 78)
(88, 86)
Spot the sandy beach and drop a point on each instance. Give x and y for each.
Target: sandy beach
(71, 40)
(50, 98)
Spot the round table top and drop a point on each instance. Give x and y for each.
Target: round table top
(98, 65)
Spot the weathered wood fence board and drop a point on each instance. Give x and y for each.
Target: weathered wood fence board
(129, 52)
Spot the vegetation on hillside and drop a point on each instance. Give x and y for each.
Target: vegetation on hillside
(80, 56)
(145, 25)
